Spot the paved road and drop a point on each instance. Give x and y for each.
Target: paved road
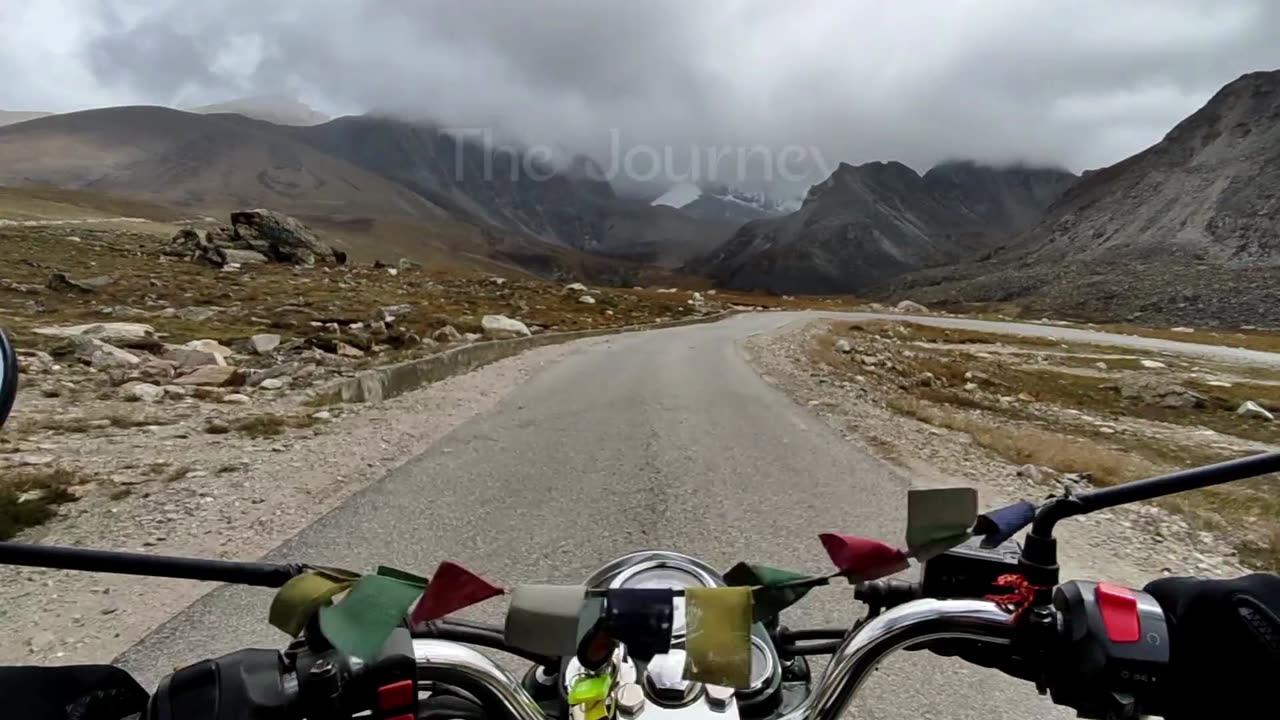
(665, 439)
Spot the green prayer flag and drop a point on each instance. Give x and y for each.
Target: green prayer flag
(939, 513)
(718, 640)
(362, 622)
(776, 589)
(402, 576)
(933, 548)
(297, 600)
(590, 689)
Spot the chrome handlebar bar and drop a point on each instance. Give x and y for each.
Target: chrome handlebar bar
(443, 662)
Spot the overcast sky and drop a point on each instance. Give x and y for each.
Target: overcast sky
(1082, 83)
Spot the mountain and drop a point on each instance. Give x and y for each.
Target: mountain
(1186, 231)
(277, 109)
(574, 206)
(871, 222)
(197, 161)
(11, 117)
(725, 204)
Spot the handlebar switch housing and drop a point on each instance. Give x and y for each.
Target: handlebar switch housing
(1114, 651)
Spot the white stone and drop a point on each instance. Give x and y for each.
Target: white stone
(322, 415)
(501, 327)
(271, 384)
(236, 399)
(587, 300)
(1152, 364)
(575, 287)
(146, 392)
(1100, 365)
(209, 346)
(1218, 383)
(843, 346)
(1184, 329)
(910, 306)
(1251, 409)
(264, 343)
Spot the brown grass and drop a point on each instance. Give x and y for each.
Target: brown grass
(49, 487)
(265, 426)
(1025, 445)
(1264, 340)
(1248, 512)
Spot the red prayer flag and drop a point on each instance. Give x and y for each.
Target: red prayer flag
(452, 588)
(863, 559)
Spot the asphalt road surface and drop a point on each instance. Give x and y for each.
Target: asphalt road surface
(663, 439)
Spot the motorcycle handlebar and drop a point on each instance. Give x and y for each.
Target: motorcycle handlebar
(859, 653)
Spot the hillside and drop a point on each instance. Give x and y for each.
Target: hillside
(203, 162)
(879, 220)
(1184, 232)
(12, 117)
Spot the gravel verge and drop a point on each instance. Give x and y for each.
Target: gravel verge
(228, 497)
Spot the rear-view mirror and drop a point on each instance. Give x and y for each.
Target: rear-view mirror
(8, 376)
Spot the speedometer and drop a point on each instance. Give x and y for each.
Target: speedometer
(665, 573)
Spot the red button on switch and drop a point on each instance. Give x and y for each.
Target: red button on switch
(1119, 610)
(396, 695)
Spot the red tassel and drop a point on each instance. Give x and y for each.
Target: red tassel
(452, 588)
(1021, 597)
(863, 559)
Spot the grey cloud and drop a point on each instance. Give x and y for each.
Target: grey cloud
(1081, 83)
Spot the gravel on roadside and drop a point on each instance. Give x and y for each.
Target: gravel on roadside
(1129, 545)
(237, 499)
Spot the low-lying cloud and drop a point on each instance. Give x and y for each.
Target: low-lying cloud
(1079, 84)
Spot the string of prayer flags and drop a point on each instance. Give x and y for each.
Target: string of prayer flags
(718, 639)
(641, 619)
(938, 519)
(547, 619)
(452, 588)
(302, 596)
(774, 589)
(863, 559)
(362, 622)
(997, 526)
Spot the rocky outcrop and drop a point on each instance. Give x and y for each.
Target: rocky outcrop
(869, 223)
(255, 236)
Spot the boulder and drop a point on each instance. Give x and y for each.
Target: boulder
(115, 333)
(501, 327)
(209, 346)
(345, 350)
(271, 384)
(234, 256)
(447, 334)
(198, 246)
(280, 237)
(587, 300)
(142, 392)
(97, 354)
(911, 307)
(185, 357)
(1152, 364)
(1154, 391)
(264, 343)
(843, 346)
(575, 287)
(236, 399)
(211, 376)
(61, 282)
(1251, 409)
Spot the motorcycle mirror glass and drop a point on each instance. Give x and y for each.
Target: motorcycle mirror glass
(8, 376)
